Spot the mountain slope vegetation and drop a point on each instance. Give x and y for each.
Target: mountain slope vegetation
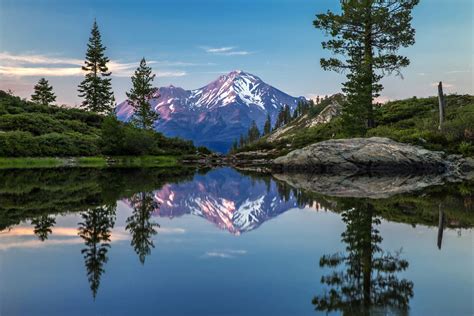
(31, 130)
(413, 121)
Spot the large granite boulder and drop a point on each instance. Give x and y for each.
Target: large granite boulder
(376, 154)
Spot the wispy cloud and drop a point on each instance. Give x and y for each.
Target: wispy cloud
(458, 71)
(226, 51)
(38, 59)
(225, 254)
(23, 65)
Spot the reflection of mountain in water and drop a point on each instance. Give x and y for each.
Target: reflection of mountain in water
(232, 202)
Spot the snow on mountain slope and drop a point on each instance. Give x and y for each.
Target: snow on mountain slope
(218, 113)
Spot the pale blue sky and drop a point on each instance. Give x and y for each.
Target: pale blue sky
(192, 42)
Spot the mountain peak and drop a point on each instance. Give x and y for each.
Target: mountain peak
(217, 113)
(239, 74)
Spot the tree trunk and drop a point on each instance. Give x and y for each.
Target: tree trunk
(368, 59)
(442, 105)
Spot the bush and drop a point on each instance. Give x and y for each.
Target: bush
(466, 148)
(112, 135)
(18, 144)
(24, 144)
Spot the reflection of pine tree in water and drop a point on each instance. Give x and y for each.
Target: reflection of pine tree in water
(96, 230)
(43, 226)
(368, 280)
(140, 226)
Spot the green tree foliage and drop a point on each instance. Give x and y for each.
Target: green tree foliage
(96, 88)
(43, 93)
(302, 108)
(284, 117)
(367, 34)
(235, 146)
(139, 96)
(242, 141)
(95, 230)
(118, 138)
(267, 128)
(370, 275)
(43, 226)
(253, 133)
(139, 224)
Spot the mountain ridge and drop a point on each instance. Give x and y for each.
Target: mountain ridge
(218, 113)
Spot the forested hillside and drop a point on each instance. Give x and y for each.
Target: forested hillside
(31, 130)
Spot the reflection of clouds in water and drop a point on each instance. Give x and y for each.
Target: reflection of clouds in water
(225, 254)
(38, 244)
(15, 237)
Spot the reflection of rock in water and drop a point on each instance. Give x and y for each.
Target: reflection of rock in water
(360, 186)
(364, 278)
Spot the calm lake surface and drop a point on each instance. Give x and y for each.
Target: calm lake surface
(220, 242)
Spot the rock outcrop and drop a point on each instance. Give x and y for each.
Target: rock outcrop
(365, 155)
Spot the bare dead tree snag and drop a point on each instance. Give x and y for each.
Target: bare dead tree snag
(442, 105)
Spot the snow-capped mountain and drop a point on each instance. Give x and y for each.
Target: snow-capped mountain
(232, 202)
(218, 113)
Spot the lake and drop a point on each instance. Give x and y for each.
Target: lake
(222, 242)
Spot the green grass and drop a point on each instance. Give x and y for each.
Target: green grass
(144, 161)
(26, 163)
(90, 162)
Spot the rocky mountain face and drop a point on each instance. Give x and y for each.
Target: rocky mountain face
(332, 109)
(218, 113)
(232, 202)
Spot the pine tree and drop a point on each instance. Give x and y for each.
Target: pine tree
(287, 115)
(96, 87)
(368, 34)
(43, 93)
(268, 125)
(280, 118)
(235, 146)
(139, 96)
(253, 133)
(139, 224)
(242, 141)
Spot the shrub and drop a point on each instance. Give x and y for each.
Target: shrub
(18, 144)
(466, 148)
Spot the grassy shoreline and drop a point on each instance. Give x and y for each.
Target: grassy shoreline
(90, 162)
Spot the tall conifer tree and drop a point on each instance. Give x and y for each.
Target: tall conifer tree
(43, 93)
(267, 128)
(253, 133)
(140, 94)
(96, 88)
(367, 34)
